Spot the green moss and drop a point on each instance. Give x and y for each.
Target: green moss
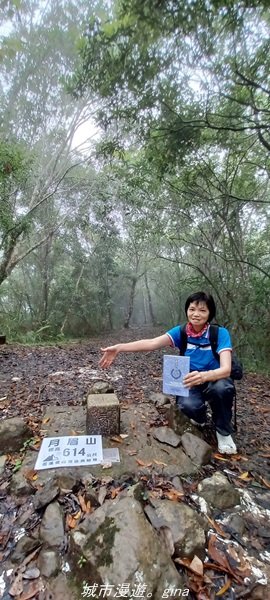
(103, 541)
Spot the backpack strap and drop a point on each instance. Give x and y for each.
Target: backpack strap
(183, 340)
(213, 338)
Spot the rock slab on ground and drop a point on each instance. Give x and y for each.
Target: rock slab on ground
(13, 433)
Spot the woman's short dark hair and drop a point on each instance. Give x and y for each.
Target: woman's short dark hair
(202, 297)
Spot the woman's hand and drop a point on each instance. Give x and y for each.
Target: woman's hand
(109, 356)
(195, 378)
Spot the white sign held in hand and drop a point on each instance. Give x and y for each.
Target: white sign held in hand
(174, 370)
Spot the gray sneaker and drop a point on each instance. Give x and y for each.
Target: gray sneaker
(226, 444)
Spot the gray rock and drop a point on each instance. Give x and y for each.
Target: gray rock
(52, 527)
(166, 435)
(218, 491)
(67, 478)
(153, 517)
(49, 562)
(236, 523)
(177, 484)
(159, 399)
(32, 573)
(62, 588)
(185, 525)
(46, 495)
(3, 460)
(101, 387)
(19, 485)
(197, 449)
(24, 546)
(184, 467)
(13, 433)
(180, 423)
(119, 545)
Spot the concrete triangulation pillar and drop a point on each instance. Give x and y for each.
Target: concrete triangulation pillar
(103, 414)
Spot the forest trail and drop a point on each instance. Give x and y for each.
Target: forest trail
(34, 377)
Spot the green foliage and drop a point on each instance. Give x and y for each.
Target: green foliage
(173, 70)
(14, 161)
(173, 198)
(17, 465)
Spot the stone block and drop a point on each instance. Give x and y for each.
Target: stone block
(103, 414)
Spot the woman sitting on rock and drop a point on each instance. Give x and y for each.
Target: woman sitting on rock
(209, 378)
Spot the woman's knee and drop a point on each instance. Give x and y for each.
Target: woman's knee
(191, 402)
(222, 388)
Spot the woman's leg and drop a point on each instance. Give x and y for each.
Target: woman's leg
(193, 406)
(220, 395)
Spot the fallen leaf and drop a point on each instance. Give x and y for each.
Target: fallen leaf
(116, 438)
(32, 589)
(224, 588)
(222, 554)
(123, 436)
(106, 480)
(214, 567)
(71, 521)
(245, 476)
(159, 462)
(17, 587)
(106, 465)
(173, 494)
(36, 444)
(235, 457)
(82, 502)
(45, 421)
(196, 566)
(265, 482)
(220, 457)
(142, 463)
(30, 557)
(132, 452)
(115, 492)
(217, 527)
(30, 475)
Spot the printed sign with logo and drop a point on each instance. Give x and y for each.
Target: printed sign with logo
(70, 451)
(174, 370)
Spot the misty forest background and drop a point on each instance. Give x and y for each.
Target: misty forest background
(134, 166)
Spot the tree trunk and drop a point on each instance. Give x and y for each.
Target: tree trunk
(72, 300)
(150, 304)
(45, 279)
(131, 302)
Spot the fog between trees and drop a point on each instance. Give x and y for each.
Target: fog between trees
(170, 197)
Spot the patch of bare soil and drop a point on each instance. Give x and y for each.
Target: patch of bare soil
(28, 384)
(33, 378)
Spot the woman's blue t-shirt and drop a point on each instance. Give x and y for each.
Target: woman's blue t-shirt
(201, 355)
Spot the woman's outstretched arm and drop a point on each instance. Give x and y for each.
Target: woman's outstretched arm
(111, 352)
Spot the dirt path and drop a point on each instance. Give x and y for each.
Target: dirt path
(33, 377)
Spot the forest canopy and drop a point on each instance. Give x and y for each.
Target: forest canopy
(134, 166)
